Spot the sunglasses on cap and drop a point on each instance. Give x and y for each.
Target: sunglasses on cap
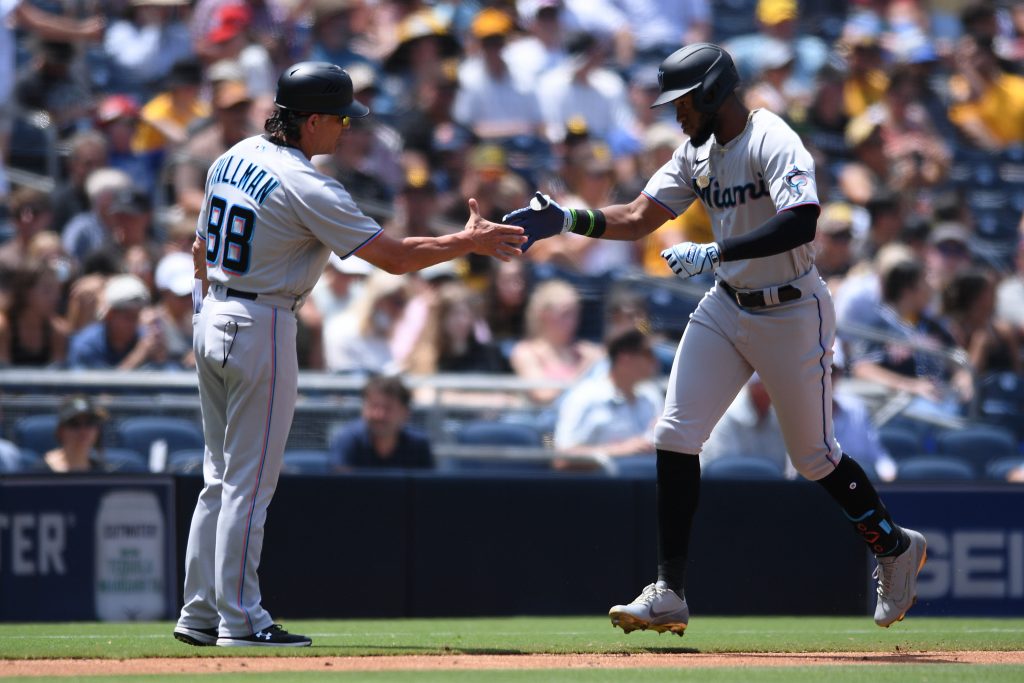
(346, 121)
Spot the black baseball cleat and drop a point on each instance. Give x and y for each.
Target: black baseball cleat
(272, 636)
(196, 636)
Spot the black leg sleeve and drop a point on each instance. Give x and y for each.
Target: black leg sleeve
(678, 494)
(851, 488)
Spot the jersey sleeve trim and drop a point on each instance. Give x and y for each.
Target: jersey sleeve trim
(200, 235)
(793, 206)
(661, 204)
(365, 242)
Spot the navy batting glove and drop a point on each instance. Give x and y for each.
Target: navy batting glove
(687, 259)
(541, 219)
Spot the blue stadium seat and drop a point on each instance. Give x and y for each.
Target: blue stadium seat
(31, 461)
(124, 460)
(139, 433)
(934, 468)
(36, 432)
(900, 441)
(637, 467)
(186, 461)
(1001, 401)
(977, 444)
(487, 432)
(742, 467)
(306, 461)
(1000, 467)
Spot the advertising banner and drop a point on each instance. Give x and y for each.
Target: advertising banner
(87, 548)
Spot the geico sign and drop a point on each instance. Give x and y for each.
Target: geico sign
(973, 564)
(32, 544)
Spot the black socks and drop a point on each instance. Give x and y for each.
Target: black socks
(851, 488)
(678, 493)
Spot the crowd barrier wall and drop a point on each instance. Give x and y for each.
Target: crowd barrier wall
(430, 544)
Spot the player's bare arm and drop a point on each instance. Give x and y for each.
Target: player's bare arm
(199, 262)
(480, 236)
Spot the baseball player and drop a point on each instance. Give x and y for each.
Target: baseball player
(269, 221)
(768, 311)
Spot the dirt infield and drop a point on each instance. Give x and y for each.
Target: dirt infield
(202, 665)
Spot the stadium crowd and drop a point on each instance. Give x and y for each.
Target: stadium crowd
(914, 111)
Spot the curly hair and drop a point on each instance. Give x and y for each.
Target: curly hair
(283, 126)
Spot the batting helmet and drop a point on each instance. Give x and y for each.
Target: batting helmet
(318, 88)
(704, 69)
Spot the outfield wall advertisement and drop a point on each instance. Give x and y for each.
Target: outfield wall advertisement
(87, 548)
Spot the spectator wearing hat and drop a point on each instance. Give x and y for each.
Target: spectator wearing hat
(232, 123)
(339, 34)
(117, 119)
(92, 229)
(143, 46)
(165, 119)
(834, 243)
(229, 39)
(583, 88)
(428, 129)
(947, 255)
(492, 101)
(280, 27)
(79, 432)
(87, 152)
(773, 88)
(778, 20)
(423, 43)
(868, 169)
(173, 310)
(865, 81)
(123, 338)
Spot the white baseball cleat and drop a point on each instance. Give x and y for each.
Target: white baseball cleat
(657, 608)
(897, 580)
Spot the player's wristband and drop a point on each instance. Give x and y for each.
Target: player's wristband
(587, 222)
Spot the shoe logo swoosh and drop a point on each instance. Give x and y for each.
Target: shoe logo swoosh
(656, 614)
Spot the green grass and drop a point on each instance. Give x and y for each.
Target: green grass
(555, 635)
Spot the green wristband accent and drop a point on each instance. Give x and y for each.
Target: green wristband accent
(573, 218)
(595, 225)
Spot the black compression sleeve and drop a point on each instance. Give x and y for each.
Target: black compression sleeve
(785, 230)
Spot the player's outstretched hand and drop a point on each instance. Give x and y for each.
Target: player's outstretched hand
(493, 239)
(541, 218)
(687, 259)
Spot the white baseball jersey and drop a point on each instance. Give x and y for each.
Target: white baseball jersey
(271, 220)
(762, 171)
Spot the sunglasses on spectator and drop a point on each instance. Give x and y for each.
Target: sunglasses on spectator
(951, 248)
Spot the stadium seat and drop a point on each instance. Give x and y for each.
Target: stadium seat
(900, 441)
(36, 432)
(934, 468)
(637, 467)
(139, 433)
(31, 461)
(1000, 467)
(186, 461)
(977, 444)
(488, 432)
(306, 461)
(124, 460)
(742, 467)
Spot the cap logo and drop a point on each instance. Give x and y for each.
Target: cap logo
(661, 78)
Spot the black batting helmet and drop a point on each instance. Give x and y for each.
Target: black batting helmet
(318, 88)
(704, 69)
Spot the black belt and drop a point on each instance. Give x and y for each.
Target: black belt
(241, 295)
(756, 299)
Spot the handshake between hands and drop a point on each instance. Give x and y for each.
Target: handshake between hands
(543, 218)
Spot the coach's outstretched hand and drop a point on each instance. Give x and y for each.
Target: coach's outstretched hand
(542, 218)
(687, 259)
(493, 239)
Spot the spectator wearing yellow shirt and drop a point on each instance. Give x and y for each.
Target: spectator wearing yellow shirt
(988, 103)
(866, 82)
(165, 119)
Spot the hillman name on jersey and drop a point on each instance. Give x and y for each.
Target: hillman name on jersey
(254, 181)
(712, 195)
